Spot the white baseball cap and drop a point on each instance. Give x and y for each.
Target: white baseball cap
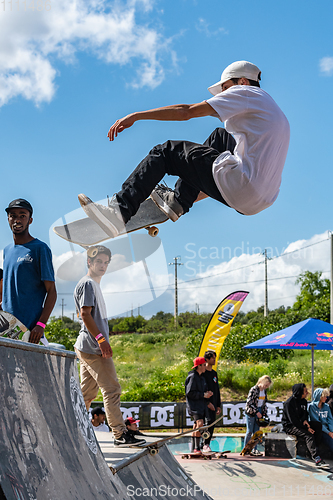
(237, 69)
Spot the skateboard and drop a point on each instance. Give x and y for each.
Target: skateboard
(12, 328)
(86, 232)
(255, 439)
(154, 446)
(205, 456)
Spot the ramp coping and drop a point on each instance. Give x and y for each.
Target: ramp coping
(27, 346)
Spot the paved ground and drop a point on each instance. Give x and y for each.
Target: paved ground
(239, 477)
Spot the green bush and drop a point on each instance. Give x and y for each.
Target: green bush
(277, 367)
(56, 332)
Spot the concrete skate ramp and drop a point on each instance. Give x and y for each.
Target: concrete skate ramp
(48, 449)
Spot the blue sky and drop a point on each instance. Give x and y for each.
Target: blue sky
(68, 73)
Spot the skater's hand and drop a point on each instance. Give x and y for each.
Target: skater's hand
(259, 415)
(218, 411)
(211, 406)
(208, 394)
(330, 434)
(36, 334)
(120, 125)
(106, 349)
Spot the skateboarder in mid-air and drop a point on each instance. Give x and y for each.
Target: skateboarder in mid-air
(239, 166)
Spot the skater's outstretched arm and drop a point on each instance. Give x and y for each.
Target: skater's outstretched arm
(176, 112)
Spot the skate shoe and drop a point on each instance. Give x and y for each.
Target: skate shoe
(196, 452)
(127, 439)
(256, 453)
(321, 464)
(108, 218)
(206, 449)
(165, 199)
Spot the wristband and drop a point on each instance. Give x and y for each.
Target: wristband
(100, 341)
(39, 323)
(99, 336)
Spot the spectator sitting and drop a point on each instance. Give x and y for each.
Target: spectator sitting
(132, 426)
(319, 411)
(295, 422)
(98, 420)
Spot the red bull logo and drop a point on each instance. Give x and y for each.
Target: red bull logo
(326, 335)
(280, 336)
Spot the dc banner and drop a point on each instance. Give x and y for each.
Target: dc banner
(220, 323)
(166, 415)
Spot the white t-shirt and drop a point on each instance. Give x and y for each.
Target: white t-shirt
(101, 428)
(261, 398)
(249, 179)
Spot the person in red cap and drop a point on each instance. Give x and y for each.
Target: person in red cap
(197, 398)
(239, 165)
(132, 426)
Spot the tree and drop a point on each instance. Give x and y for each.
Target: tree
(129, 324)
(313, 301)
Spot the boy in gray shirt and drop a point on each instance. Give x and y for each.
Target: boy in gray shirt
(93, 348)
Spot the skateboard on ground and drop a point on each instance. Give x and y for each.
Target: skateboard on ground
(12, 328)
(86, 232)
(154, 446)
(205, 456)
(255, 439)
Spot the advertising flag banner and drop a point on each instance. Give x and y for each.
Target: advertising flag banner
(220, 323)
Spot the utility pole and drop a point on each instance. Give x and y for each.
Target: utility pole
(266, 287)
(176, 264)
(62, 308)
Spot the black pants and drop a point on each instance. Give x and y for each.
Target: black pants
(191, 162)
(211, 417)
(312, 440)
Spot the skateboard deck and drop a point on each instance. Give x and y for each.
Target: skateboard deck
(205, 456)
(12, 328)
(86, 232)
(255, 439)
(153, 447)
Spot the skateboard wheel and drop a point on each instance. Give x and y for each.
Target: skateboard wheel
(205, 435)
(92, 252)
(153, 231)
(153, 451)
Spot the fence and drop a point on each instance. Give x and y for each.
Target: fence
(175, 416)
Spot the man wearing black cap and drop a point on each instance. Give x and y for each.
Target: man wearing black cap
(239, 165)
(29, 291)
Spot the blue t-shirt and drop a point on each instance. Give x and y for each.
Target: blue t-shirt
(25, 268)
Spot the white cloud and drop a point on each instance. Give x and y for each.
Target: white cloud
(31, 43)
(246, 272)
(130, 286)
(326, 66)
(205, 27)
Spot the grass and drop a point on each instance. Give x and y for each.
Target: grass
(153, 367)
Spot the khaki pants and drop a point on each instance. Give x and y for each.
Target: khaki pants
(98, 372)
